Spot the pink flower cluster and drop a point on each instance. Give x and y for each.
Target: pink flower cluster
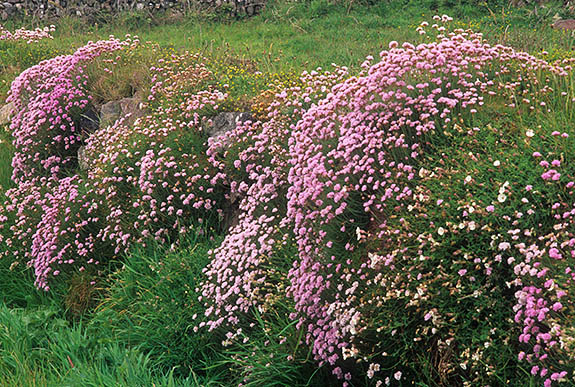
(353, 162)
(28, 36)
(50, 100)
(145, 180)
(245, 272)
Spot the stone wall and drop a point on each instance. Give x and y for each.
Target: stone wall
(44, 9)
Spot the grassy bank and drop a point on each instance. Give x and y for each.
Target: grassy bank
(299, 36)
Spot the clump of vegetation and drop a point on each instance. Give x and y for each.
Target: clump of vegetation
(404, 220)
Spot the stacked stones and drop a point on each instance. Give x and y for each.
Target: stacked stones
(9, 8)
(54, 8)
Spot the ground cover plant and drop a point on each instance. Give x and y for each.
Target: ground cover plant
(406, 220)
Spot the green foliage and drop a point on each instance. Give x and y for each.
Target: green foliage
(130, 75)
(271, 355)
(39, 347)
(6, 152)
(17, 286)
(152, 303)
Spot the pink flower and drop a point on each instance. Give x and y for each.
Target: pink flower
(554, 253)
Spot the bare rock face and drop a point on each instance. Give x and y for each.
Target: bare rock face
(230, 214)
(6, 113)
(224, 122)
(132, 107)
(564, 24)
(109, 113)
(113, 110)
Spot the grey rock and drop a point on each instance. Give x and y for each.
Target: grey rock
(109, 113)
(132, 107)
(224, 122)
(113, 110)
(88, 8)
(88, 122)
(6, 113)
(230, 215)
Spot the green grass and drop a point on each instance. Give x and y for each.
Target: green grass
(299, 36)
(151, 303)
(140, 334)
(5, 160)
(40, 348)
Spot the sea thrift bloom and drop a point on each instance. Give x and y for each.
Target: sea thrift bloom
(28, 36)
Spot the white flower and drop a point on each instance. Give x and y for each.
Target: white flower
(530, 133)
(501, 197)
(441, 231)
(496, 163)
(358, 233)
(397, 375)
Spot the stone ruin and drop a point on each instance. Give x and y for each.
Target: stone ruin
(46, 9)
